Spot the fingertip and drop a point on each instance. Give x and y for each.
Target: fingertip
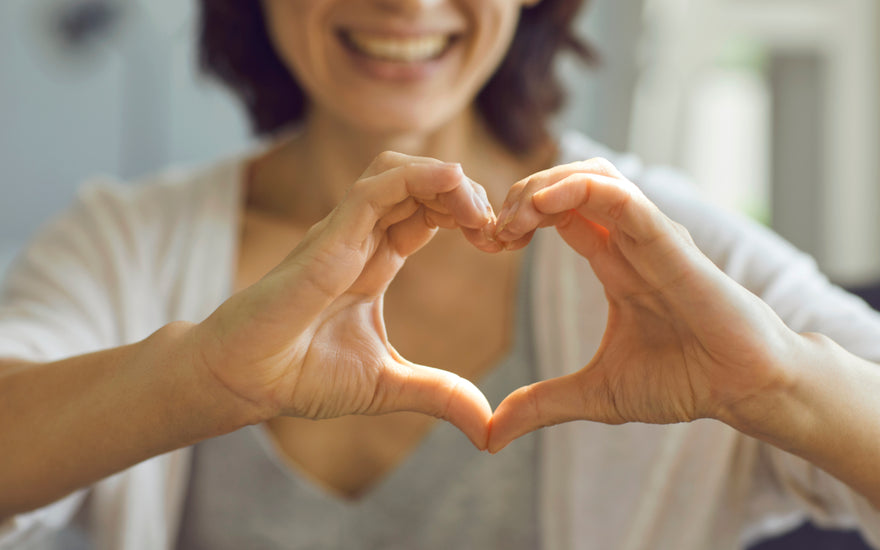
(481, 444)
(482, 241)
(483, 198)
(504, 426)
(473, 420)
(493, 443)
(454, 167)
(505, 218)
(519, 243)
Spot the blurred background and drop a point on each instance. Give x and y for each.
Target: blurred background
(772, 105)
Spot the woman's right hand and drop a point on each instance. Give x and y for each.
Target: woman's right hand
(309, 339)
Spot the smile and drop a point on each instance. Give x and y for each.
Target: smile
(396, 48)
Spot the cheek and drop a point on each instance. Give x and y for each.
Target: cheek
(291, 25)
(495, 23)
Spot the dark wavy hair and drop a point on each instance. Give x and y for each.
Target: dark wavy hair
(516, 103)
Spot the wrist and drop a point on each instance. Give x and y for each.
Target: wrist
(222, 408)
(783, 410)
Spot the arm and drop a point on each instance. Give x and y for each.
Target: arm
(307, 340)
(73, 422)
(829, 415)
(683, 340)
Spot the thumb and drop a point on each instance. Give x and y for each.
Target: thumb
(442, 394)
(546, 403)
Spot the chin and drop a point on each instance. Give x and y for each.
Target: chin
(400, 121)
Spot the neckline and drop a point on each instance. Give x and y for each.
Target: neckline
(293, 472)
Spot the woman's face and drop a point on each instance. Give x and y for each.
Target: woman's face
(392, 66)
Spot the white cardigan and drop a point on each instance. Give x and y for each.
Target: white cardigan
(127, 259)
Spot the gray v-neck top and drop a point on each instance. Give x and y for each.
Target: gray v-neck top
(446, 494)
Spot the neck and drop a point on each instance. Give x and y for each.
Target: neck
(328, 155)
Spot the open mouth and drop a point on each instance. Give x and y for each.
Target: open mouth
(398, 49)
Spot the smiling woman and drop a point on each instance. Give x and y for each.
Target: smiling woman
(222, 339)
(516, 101)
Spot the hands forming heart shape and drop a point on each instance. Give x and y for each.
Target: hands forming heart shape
(683, 341)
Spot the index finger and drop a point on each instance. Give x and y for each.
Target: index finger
(371, 198)
(518, 216)
(387, 160)
(616, 204)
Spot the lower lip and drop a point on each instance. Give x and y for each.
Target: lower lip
(396, 71)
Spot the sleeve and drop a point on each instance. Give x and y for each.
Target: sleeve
(62, 298)
(789, 281)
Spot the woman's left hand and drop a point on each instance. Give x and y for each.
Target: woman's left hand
(683, 340)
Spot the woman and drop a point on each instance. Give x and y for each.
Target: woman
(257, 293)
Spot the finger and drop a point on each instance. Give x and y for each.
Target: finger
(446, 221)
(518, 216)
(411, 234)
(484, 239)
(480, 190)
(585, 237)
(372, 198)
(540, 405)
(460, 202)
(613, 203)
(391, 159)
(435, 392)
(468, 203)
(519, 243)
(402, 240)
(337, 249)
(658, 249)
(523, 219)
(539, 180)
(398, 213)
(514, 194)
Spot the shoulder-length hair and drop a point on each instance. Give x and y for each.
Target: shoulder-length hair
(516, 103)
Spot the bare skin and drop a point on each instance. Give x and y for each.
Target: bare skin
(683, 341)
(449, 306)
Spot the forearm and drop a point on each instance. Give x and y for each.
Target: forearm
(828, 415)
(67, 424)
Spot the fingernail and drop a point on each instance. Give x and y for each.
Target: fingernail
(502, 215)
(456, 166)
(481, 193)
(489, 231)
(507, 217)
(481, 204)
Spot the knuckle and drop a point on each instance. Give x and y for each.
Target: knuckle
(618, 207)
(363, 192)
(682, 231)
(386, 160)
(603, 166)
(358, 190)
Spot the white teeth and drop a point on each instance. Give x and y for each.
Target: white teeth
(413, 49)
